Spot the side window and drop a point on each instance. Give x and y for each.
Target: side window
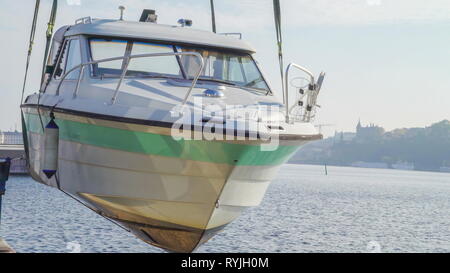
(70, 57)
(53, 52)
(73, 59)
(59, 68)
(52, 59)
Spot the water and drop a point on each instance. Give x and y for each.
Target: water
(350, 210)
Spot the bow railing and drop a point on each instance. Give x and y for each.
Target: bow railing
(311, 94)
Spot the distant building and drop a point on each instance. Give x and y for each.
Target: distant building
(11, 145)
(368, 132)
(11, 138)
(17, 154)
(340, 137)
(403, 165)
(372, 165)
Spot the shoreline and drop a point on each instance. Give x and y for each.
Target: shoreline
(349, 166)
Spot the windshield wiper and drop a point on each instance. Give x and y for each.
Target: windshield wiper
(215, 80)
(154, 76)
(146, 75)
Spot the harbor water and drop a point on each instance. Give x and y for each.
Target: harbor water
(304, 210)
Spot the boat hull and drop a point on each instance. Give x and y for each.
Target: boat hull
(174, 194)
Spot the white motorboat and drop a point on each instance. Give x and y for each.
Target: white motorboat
(169, 131)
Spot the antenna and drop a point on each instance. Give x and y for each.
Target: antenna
(122, 8)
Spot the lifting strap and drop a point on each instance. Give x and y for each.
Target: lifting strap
(30, 46)
(277, 14)
(49, 34)
(213, 17)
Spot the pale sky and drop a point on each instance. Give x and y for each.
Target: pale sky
(387, 61)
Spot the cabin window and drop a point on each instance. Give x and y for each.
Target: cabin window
(70, 57)
(59, 69)
(51, 61)
(235, 71)
(53, 53)
(252, 74)
(138, 67)
(73, 59)
(232, 68)
(227, 67)
(153, 66)
(104, 49)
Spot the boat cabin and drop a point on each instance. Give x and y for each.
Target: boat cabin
(105, 45)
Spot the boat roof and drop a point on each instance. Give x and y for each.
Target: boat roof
(158, 32)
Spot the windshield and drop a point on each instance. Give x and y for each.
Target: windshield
(230, 68)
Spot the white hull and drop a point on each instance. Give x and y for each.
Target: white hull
(139, 190)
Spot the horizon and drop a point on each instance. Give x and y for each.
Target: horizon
(386, 63)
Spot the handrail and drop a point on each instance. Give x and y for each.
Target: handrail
(84, 20)
(312, 81)
(124, 72)
(232, 33)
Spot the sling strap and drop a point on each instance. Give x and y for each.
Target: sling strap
(30, 46)
(277, 14)
(213, 17)
(50, 26)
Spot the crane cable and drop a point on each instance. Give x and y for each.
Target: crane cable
(213, 17)
(277, 15)
(30, 46)
(30, 49)
(49, 34)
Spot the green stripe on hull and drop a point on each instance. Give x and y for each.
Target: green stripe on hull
(162, 145)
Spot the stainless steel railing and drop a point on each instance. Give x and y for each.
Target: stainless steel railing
(127, 60)
(312, 92)
(84, 20)
(232, 34)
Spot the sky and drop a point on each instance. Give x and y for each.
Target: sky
(387, 61)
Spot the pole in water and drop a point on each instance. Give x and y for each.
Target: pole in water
(326, 169)
(213, 17)
(4, 175)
